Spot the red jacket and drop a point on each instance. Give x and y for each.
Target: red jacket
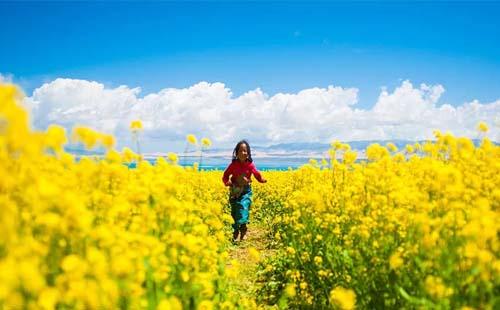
(237, 169)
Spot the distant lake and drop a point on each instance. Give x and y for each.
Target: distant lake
(219, 163)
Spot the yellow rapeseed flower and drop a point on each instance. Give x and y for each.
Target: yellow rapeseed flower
(318, 260)
(376, 152)
(343, 298)
(108, 141)
(206, 142)
(128, 155)
(56, 137)
(254, 253)
(290, 290)
(206, 305)
(48, 298)
(436, 288)
(173, 157)
(392, 147)
(172, 303)
(192, 139)
(396, 261)
(409, 149)
(482, 127)
(336, 145)
(70, 262)
(87, 136)
(185, 276)
(349, 157)
(136, 125)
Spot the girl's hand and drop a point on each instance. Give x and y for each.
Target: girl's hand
(264, 181)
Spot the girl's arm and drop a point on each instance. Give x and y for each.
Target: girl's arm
(257, 174)
(227, 173)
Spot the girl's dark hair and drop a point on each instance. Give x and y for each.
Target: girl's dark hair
(237, 148)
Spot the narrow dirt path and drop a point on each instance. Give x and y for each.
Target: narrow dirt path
(244, 254)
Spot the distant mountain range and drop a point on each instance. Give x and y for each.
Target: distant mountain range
(297, 150)
(306, 149)
(307, 146)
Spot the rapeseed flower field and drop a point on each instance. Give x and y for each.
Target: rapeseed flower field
(416, 228)
(412, 228)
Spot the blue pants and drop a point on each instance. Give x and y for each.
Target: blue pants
(240, 207)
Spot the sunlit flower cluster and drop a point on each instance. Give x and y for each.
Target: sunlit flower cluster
(411, 228)
(91, 233)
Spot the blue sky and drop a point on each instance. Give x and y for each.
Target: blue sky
(279, 47)
(292, 71)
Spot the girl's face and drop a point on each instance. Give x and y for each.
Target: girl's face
(242, 153)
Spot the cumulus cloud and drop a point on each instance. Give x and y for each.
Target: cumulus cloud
(68, 102)
(211, 110)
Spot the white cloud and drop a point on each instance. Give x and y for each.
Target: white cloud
(7, 78)
(69, 102)
(210, 110)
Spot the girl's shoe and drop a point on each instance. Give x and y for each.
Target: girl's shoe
(243, 231)
(235, 235)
